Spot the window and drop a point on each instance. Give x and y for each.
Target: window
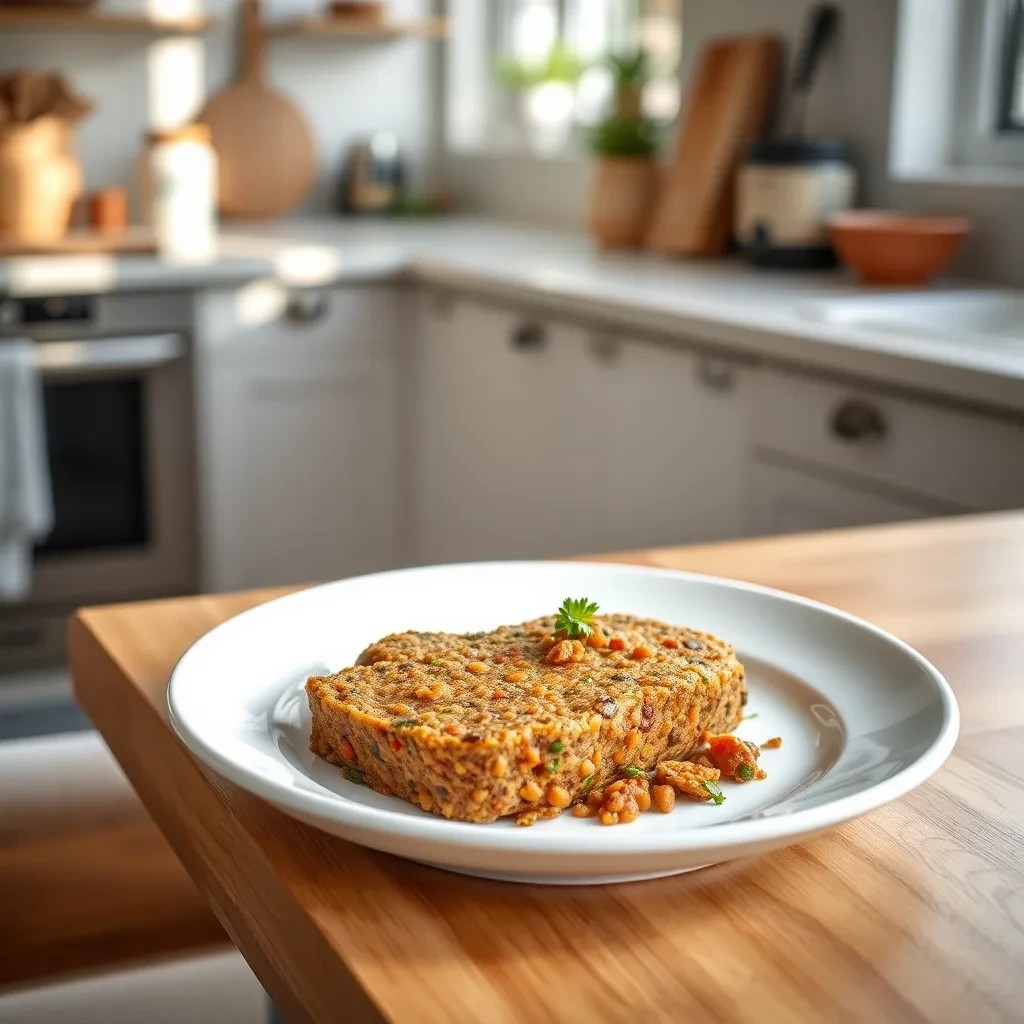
(1011, 84)
(958, 103)
(532, 74)
(989, 131)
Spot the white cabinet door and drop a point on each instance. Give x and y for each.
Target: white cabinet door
(299, 437)
(536, 438)
(784, 499)
(495, 434)
(665, 447)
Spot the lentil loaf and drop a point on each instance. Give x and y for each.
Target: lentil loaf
(482, 725)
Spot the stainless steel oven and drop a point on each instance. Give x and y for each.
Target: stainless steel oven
(118, 412)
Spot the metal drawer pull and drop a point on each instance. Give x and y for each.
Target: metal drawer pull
(605, 349)
(716, 374)
(529, 337)
(305, 307)
(856, 420)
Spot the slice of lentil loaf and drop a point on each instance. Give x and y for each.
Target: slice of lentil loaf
(483, 725)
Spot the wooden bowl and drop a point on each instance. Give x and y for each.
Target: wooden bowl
(888, 247)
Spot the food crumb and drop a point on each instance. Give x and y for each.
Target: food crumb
(524, 819)
(736, 759)
(620, 802)
(773, 744)
(687, 778)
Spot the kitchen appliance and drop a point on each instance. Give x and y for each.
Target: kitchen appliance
(374, 175)
(788, 186)
(118, 412)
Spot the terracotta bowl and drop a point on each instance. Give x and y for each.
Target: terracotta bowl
(887, 247)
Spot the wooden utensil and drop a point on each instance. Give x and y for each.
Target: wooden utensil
(362, 12)
(727, 107)
(265, 152)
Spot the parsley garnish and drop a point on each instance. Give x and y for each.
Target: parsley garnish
(404, 723)
(715, 791)
(574, 617)
(588, 782)
(553, 765)
(557, 747)
(745, 772)
(632, 772)
(353, 776)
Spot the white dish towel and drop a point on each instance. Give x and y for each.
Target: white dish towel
(26, 500)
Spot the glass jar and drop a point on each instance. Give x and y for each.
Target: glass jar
(182, 192)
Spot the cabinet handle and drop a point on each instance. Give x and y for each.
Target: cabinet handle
(856, 420)
(715, 374)
(305, 307)
(529, 336)
(442, 305)
(605, 349)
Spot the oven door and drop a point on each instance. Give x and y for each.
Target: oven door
(119, 440)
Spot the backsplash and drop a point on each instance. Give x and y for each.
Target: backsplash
(851, 100)
(345, 88)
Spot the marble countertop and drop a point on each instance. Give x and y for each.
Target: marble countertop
(765, 315)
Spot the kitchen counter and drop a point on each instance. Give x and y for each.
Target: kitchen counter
(910, 913)
(722, 303)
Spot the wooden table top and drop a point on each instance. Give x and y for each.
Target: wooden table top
(915, 912)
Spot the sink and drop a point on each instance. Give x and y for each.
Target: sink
(992, 314)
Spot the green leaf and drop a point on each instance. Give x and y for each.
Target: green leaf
(553, 766)
(632, 772)
(588, 782)
(574, 617)
(629, 67)
(745, 772)
(557, 747)
(716, 793)
(353, 776)
(625, 136)
(404, 723)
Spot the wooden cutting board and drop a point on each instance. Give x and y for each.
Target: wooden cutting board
(727, 107)
(265, 152)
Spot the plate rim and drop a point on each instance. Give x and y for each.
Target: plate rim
(436, 831)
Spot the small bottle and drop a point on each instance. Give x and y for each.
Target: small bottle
(182, 193)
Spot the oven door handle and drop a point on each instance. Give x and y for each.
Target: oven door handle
(132, 353)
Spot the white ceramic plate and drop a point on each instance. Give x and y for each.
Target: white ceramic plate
(863, 718)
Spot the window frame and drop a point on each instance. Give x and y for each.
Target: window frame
(978, 143)
(1010, 66)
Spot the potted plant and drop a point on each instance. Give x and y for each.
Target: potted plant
(625, 143)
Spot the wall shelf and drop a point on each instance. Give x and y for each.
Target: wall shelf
(87, 20)
(337, 28)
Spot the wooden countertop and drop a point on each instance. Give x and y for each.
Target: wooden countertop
(915, 912)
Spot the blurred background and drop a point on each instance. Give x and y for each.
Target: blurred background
(295, 290)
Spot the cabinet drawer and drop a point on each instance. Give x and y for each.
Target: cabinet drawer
(948, 455)
(784, 499)
(266, 323)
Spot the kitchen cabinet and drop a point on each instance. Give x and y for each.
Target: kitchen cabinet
(829, 453)
(300, 433)
(536, 437)
(784, 498)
